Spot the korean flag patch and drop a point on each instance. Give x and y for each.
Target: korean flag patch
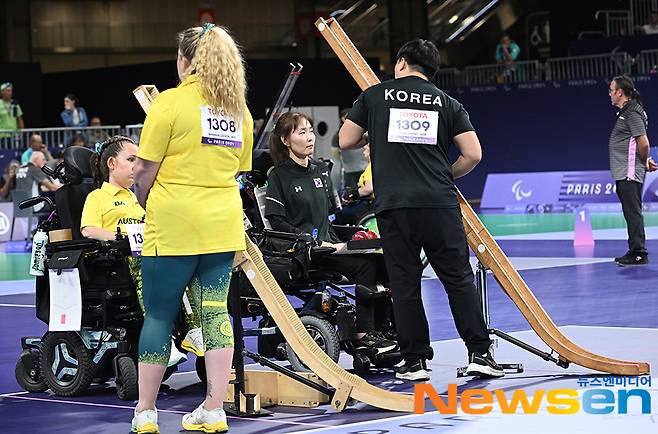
(318, 182)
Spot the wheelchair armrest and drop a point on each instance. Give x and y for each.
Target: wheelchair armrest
(288, 236)
(345, 232)
(84, 244)
(122, 245)
(321, 251)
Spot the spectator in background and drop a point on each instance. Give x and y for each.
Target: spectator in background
(57, 157)
(652, 27)
(72, 115)
(96, 135)
(30, 178)
(36, 144)
(507, 51)
(78, 140)
(8, 180)
(11, 114)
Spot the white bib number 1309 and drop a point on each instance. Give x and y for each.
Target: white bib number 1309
(413, 126)
(219, 130)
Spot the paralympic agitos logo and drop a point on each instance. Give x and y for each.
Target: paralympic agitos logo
(557, 401)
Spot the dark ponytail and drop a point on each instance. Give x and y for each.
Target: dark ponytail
(627, 86)
(284, 127)
(104, 150)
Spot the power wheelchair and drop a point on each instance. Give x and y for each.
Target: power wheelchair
(105, 347)
(327, 308)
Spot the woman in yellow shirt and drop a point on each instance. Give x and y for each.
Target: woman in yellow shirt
(112, 206)
(195, 140)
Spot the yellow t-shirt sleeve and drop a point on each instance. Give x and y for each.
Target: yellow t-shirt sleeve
(247, 143)
(366, 176)
(92, 212)
(156, 133)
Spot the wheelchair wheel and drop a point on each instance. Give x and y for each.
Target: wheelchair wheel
(67, 365)
(126, 379)
(324, 334)
(30, 380)
(369, 221)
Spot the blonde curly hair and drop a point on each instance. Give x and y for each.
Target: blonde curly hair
(216, 60)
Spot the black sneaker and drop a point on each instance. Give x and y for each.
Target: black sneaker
(632, 259)
(389, 333)
(413, 370)
(376, 342)
(483, 365)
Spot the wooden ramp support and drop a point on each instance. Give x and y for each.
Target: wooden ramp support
(347, 386)
(485, 247)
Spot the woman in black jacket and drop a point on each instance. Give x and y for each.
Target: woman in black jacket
(300, 199)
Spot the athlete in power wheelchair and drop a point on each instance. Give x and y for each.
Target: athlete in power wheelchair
(307, 192)
(105, 346)
(111, 207)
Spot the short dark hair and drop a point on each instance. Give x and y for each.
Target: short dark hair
(73, 98)
(421, 55)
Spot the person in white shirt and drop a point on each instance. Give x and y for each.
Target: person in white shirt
(652, 27)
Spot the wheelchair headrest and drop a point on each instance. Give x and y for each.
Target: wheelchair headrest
(77, 163)
(261, 164)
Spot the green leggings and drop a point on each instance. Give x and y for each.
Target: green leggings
(191, 318)
(164, 279)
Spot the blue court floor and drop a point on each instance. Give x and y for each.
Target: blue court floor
(602, 307)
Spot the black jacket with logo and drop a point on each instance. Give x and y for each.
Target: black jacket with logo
(301, 197)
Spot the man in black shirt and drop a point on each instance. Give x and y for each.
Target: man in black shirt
(411, 126)
(30, 178)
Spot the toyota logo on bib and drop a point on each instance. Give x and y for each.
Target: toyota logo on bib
(4, 224)
(518, 193)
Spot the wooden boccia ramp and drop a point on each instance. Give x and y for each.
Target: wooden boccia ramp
(485, 247)
(348, 387)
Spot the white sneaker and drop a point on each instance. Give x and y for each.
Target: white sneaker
(175, 357)
(208, 421)
(193, 342)
(145, 422)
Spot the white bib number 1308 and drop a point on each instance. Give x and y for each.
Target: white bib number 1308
(220, 130)
(413, 126)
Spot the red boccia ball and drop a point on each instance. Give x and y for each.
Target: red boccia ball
(372, 235)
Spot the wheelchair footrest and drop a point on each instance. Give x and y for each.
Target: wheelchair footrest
(260, 332)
